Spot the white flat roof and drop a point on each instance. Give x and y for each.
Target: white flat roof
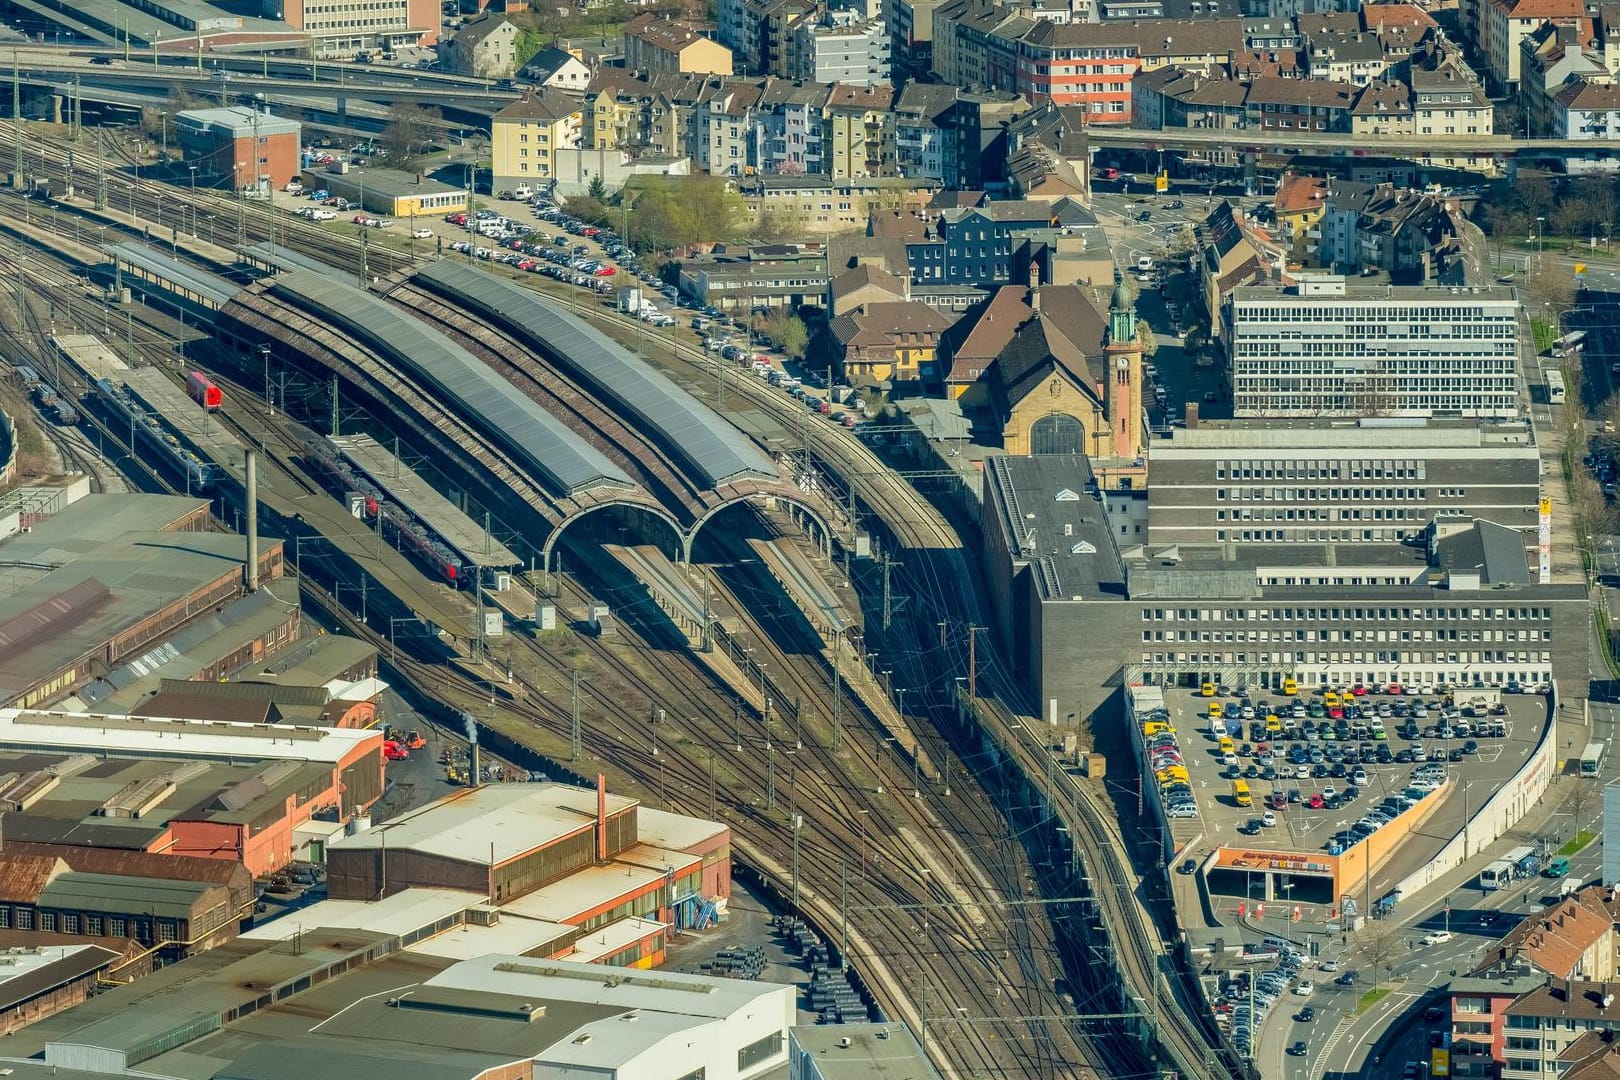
(498, 822)
(358, 690)
(676, 832)
(509, 936)
(613, 938)
(584, 890)
(653, 991)
(614, 1044)
(212, 740)
(404, 912)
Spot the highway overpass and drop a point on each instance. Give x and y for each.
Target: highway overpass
(1249, 140)
(355, 82)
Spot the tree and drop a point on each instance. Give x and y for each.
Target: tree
(794, 337)
(1578, 802)
(1377, 945)
(528, 43)
(1551, 289)
(406, 137)
(597, 189)
(1145, 338)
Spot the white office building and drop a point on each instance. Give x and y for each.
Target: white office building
(1325, 348)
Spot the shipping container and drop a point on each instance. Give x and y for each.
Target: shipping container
(204, 392)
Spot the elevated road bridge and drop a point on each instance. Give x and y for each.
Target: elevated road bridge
(1248, 140)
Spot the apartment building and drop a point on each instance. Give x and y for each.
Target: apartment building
(1323, 481)
(486, 48)
(1544, 1027)
(860, 134)
(659, 44)
(525, 135)
(973, 246)
(1549, 58)
(922, 119)
(840, 47)
(795, 127)
(1447, 98)
(1326, 348)
(1478, 1014)
(911, 36)
(1585, 110)
(1092, 64)
(1504, 24)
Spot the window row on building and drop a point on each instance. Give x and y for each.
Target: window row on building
(1343, 614)
(1215, 637)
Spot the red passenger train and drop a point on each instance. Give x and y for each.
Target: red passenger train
(204, 392)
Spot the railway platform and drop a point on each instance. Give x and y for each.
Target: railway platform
(85, 256)
(803, 582)
(197, 291)
(404, 486)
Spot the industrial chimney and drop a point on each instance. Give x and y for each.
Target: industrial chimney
(475, 763)
(251, 570)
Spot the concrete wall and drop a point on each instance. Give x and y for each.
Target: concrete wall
(1500, 813)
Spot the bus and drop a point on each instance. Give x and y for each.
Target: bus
(1240, 793)
(1555, 387)
(1592, 759)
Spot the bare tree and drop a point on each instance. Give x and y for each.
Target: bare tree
(1378, 945)
(410, 131)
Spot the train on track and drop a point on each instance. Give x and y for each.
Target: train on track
(409, 533)
(53, 408)
(149, 426)
(204, 392)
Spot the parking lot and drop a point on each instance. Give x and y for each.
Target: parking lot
(1324, 773)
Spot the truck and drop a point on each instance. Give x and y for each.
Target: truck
(630, 300)
(1568, 886)
(393, 751)
(1496, 875)
(1526, 863)
(1592, 759)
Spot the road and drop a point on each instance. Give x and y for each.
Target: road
(1183, 381)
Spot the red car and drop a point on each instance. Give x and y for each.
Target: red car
(1359, 690)
(606, 271)
(1335, 713)
(1395, 688)
(1108, 174)
(1315, 802)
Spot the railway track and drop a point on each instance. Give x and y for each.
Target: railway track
(910, 518)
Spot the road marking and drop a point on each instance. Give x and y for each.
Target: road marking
(1339, 1030)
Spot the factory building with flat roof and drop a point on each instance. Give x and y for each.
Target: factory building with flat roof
(104, 579)
(350, 1003)
(576, 858)
(211, 789)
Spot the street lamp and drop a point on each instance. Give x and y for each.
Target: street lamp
(193, 168)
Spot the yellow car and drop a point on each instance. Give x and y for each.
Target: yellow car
(1290, 687)
(1273, 723)
(1330, 699)
(1215, 710)
(1207, 690)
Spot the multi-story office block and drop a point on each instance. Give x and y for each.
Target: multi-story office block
(1324, 348)
(1340, 482)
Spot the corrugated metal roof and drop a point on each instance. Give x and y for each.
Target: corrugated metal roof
(706, 442)
(540, 442)
(49, 969)
(211, 287)
(164, 898)
(287, 260)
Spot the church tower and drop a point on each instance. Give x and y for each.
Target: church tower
(1122, 387)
